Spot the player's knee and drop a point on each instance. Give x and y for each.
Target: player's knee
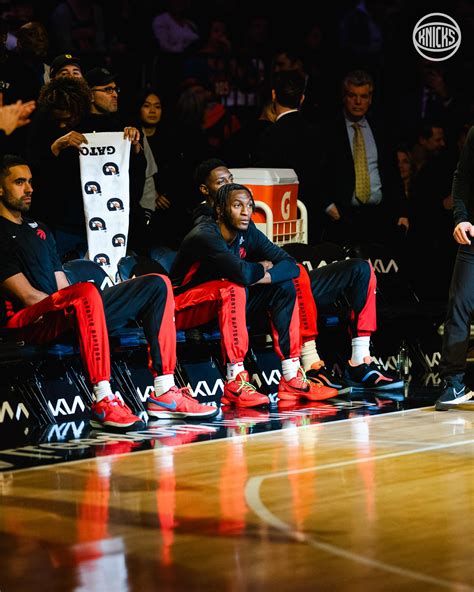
(157, 282)
(287, 289)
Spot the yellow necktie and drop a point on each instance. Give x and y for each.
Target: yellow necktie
(362, 178)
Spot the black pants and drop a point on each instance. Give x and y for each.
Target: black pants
(354, 279)
(360, 225)
(278, 303)
(459, 313)
(148, 299)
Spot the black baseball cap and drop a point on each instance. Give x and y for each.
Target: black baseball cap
(99, 77)
(65, 59)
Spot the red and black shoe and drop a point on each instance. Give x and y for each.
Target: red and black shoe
(300, 387)
(242, 393)
(325, 377)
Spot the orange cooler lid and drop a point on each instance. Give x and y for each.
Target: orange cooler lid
(264, 176)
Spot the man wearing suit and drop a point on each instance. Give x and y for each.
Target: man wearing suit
(361, 191)
(292, 141)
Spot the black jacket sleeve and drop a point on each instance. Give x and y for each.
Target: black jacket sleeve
(262, 249)
(214, 251)
(462, 183)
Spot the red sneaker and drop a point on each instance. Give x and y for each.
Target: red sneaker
(178, 402)
(113, 413)
(241, 392)
(300, 387)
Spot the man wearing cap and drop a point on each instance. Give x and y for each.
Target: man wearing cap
(65, 65)
(104, 89)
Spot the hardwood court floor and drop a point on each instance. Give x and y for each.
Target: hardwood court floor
(381, 503)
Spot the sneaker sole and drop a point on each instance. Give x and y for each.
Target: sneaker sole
(341, 390)
(138, 425)
(287, 396)
(356, 386)
(291, 395)
(182, 414)
(244, 404)
(445, 405)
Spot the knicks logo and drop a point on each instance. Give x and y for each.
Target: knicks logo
(41, 234)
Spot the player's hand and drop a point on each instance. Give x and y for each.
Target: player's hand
(333, 212)
(266, 265)
(463, 233)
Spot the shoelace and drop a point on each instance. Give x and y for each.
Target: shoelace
(247, 385)
(117, 401)
(301, 376)
(186, 393)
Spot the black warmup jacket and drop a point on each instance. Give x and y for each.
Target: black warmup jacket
(204, 256)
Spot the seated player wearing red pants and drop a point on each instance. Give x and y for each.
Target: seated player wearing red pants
(226, 266)
(353, 279)
(46, 305)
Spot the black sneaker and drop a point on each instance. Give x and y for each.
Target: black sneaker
(453, 393)
(328, 378)
(369, 376)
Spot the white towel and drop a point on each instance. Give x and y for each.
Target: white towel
(105, 183)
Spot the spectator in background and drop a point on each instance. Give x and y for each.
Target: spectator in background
(212, 60)
(173, 31)
(10, 86)
(431, 205)
(284, 144)
(175, 35)
(66, 65)
(32, 52)
(406, 168)
(288, 58)
(430, 142)
(361, 192)
(241, 149)
(77, 26)
(361, 34)
(432, 97)
(16, 14)
(160, 204)
(63, 104)
(64, 115)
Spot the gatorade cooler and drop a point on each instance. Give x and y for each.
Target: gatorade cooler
(275, 192)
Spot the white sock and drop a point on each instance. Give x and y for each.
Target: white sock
(163, 383)
(309, 354)
(102, 389)
(360, 349)
(234, 369)
(290, 368)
